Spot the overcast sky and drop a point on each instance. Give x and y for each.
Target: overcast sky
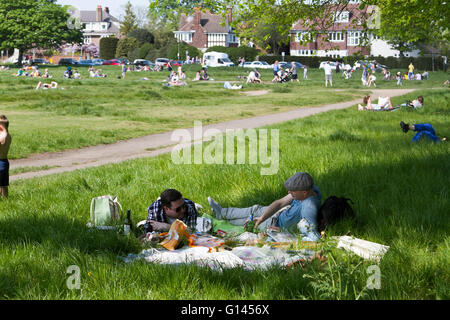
(116, 7)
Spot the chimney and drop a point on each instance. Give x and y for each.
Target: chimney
(197, 15)
(107, 10)
(230, 10)
(99, 13)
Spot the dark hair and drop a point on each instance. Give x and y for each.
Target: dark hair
(366, 99)
(169, 195)
(4, 120)
(420, 98)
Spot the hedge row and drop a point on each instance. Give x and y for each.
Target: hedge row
(108, 47)
(420, 63)
(234, 53)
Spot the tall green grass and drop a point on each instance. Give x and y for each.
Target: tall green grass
(400, 191)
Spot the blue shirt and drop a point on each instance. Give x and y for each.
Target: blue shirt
(305, 209)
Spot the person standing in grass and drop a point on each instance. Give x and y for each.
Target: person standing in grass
(5, 143)
(410, 71)
(302, 202)
(328, 74)
(167, 208)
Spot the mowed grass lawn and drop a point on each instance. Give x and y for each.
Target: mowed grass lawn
(104, 110)
(400, 192)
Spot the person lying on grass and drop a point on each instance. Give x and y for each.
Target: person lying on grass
(416, 103)
(425, 131)
(167, 208)
(384, 103)
(302, 202)
(52, 85)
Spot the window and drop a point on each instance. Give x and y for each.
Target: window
(336, 36)
(302, 36)
(216, 39)
(341, 16)
(353, 38)
(87, 39)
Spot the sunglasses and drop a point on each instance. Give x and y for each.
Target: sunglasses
(183, 206)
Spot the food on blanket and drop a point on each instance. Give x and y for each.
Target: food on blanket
(175, 236)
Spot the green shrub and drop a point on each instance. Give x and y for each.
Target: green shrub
(108, 47)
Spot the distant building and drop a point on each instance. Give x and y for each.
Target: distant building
(204, 29)
(98, 24)
(345, 37)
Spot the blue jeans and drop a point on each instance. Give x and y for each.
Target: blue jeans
(424, 130)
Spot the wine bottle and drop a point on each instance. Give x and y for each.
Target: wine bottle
(250, 224)
(127, 225)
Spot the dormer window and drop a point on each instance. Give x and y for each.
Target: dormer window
(340, 17)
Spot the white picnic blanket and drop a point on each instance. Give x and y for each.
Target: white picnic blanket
(247, 257)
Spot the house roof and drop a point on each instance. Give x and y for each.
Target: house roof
(91, 16)
(211, 23)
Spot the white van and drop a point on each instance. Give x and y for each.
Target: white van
(217, 59)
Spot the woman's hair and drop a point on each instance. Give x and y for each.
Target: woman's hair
(420, 98)
(4, 121)
(169, 195)
(366, 99)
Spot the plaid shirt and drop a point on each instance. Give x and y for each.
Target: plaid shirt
(156, 213)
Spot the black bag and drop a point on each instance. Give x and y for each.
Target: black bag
(333, 210)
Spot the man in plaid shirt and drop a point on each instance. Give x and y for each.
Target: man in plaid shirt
(167, 208)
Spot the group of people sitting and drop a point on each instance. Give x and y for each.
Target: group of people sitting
(175, 78)
(385, 104)
(202, 75)
(34, 72)
(96, 73)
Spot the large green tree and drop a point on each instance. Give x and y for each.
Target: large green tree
(401, 22)
(26, 24)
(166, 13)
(129, 22)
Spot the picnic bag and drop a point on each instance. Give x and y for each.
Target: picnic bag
(333, 210)
(105, 210)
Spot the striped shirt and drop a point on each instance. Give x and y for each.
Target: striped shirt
(156, 213)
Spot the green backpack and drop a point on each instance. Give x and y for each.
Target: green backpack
(105, 210)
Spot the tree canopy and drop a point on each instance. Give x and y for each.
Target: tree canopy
(26, 24)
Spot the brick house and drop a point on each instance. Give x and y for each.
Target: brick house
(98, 24)
(345, 36)
(204, 29)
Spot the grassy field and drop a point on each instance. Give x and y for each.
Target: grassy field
(103, 110)
(400, 191)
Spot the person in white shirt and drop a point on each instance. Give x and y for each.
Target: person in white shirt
(328, 74)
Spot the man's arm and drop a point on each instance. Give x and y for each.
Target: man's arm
(3, 134)
(273, 208)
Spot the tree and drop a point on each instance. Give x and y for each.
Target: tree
(129, 21)
(142, 35)
(108, 47)
(166, 13)
(27, 24)
(126, 45)
(402, 22)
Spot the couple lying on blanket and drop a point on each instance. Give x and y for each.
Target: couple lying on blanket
(298, 210)
(385, 104)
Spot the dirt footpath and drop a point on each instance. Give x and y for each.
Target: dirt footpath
(156, 144)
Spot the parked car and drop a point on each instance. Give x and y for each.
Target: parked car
(38, 61)
(67, 61)
(289, 65)
(143, 62)
(123, 60)
(162, 62)
(97, 62)
(379, 67)
(86, 62)
(112, 62)
(258, 64)
(176, 63)
(334, 64)
(217, 59)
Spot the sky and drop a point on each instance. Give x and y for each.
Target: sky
(116, 7)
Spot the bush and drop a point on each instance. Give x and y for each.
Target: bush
(125, 46)
(108, 47)
(182, 47)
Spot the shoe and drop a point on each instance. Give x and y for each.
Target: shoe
(404, 126)
(216, 208)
